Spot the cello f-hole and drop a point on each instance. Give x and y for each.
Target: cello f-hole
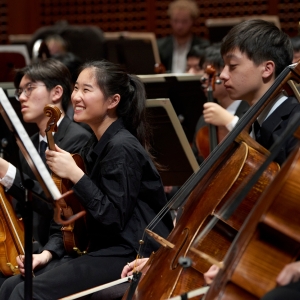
(175, 263)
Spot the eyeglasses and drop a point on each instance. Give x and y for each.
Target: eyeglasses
(27, 90)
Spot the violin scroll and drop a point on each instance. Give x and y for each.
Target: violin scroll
(54, 114)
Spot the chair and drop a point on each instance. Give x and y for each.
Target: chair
(12, 57)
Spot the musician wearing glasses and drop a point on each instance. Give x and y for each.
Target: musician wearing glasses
(39, 84)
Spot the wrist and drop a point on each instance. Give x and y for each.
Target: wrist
(76, 175)
(47, 255)
(232, 123)
(3, 167)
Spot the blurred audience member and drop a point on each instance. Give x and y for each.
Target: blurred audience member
(173, 49)
(194, 60)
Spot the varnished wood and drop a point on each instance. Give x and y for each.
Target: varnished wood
(11, 237)
(75, 233)
(268, 241)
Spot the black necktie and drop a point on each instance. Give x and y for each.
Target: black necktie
(43, 147)
(256, 129)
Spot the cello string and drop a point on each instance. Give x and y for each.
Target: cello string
(230, 206)
(247, 119)
(243, 124)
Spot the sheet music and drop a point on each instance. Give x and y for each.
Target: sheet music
(17, 127)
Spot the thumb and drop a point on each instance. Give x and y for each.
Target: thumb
(59, 149)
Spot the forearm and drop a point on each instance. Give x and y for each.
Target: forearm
(3, 167)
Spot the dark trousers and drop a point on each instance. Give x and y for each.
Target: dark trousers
(290, 292)
(60, 279)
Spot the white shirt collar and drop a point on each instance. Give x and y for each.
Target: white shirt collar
(270, 108)
(233, 106)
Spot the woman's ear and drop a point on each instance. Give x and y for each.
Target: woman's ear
(114, 101)
(57, 93)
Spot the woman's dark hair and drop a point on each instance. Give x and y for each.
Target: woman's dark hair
(260, 41)
(52, 73)
(112, 79)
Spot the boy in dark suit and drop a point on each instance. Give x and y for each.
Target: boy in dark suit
(46, 82)
(255, 52)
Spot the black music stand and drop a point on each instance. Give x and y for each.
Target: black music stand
(185, 93)
(137, 52)
(170, 145)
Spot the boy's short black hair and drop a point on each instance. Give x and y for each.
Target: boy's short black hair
(260, 41)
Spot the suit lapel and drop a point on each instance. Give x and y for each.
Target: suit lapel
(62, 128)
(242, 108)
(273, 122)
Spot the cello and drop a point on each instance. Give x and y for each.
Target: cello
(11, 237)
(229, 166)
(75, 235)
(268, 241)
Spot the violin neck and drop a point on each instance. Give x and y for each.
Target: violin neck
(50, 139)
(213, 137)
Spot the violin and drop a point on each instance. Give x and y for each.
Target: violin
(75, 233)
(226, 171)
(11, 237)
(209, 136)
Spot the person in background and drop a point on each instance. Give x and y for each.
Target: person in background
(56, 44)
(220, 113)
(173, 49)
(194, 60)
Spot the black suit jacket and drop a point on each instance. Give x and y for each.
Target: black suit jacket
(165, 48)
(71, 137)
(274, 126)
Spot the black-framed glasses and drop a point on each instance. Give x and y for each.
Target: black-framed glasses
(27, 90)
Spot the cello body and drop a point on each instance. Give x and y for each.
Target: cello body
(11, 237)
(268, 241)
(225, 172)
(206, 200)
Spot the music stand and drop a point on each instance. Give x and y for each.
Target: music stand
(137, 52)
(219, 27)
(170, 145)
(185, 93)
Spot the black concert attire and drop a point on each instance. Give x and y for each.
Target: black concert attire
(122, 193)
